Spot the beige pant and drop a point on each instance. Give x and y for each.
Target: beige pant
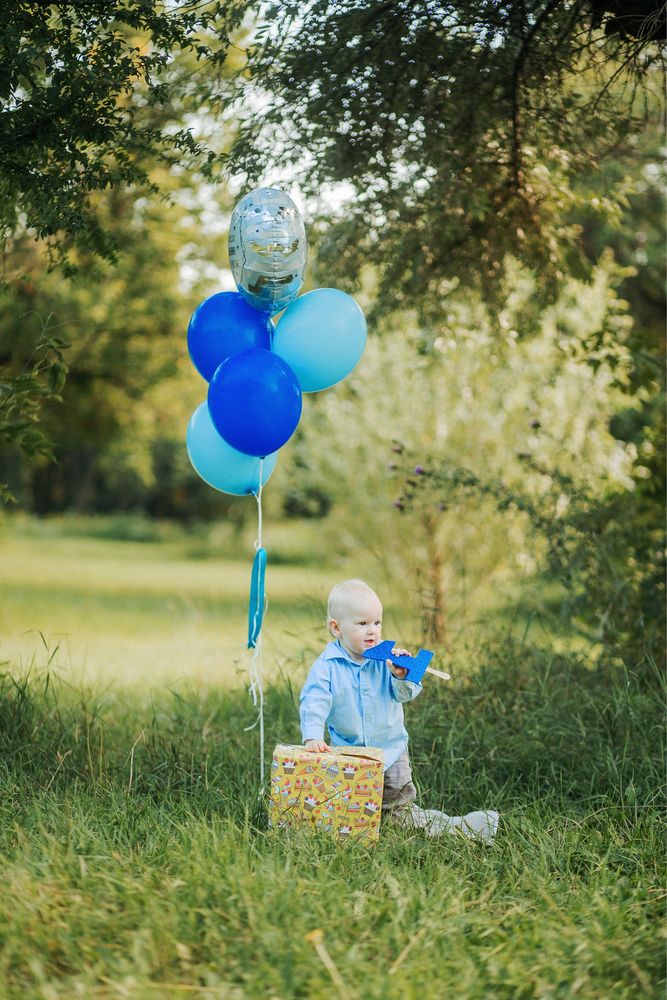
(398, 791)
(398, 803)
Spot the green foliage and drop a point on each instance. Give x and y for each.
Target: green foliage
(481, 391)
(130, 390)
(608, 554)
(464, 132)
(76, 80)
(455, 141)
(42, 377)
(136, 856)
(96, 106)
(135, 852)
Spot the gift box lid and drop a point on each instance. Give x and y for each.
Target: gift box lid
(299, 753)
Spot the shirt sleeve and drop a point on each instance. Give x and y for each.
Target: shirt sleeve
(403, 691)
(316, 700)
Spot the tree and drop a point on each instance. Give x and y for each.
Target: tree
(125, 322)
(92, 98)
(74, 85)
(463, 139)
(459, 127)
(469, 408)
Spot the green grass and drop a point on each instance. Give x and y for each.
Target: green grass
(134, 846)
(137, 862)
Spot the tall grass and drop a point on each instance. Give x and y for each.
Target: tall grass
(137, 860)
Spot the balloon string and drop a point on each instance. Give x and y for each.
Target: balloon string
(256, 688)
(258, 497)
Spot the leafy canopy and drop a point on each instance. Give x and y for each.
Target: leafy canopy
(74, 79)
(95, 98)
(459, 128)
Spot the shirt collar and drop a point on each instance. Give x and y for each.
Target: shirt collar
(335, 651)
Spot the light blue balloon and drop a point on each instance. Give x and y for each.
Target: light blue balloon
(321, 336)
(217, 463)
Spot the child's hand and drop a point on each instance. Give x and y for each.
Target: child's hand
(316, 746)
(398, 672)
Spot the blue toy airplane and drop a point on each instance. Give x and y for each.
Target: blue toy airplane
(416, 666)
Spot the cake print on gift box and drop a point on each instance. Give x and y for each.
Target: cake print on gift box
(307, 789)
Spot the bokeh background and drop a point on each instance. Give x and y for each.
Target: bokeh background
(488, 181)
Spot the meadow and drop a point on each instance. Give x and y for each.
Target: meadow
(128, 602)
(134, 845)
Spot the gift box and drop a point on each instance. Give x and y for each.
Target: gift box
(339, 792)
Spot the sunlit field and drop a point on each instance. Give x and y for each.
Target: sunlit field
(146, 613)
(172, 608)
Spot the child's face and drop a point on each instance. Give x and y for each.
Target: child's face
(359, 624)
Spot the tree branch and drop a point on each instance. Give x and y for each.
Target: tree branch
(517, 141)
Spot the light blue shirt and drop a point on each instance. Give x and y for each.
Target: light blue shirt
(361, 703)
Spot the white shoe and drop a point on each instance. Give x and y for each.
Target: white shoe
(481, 825)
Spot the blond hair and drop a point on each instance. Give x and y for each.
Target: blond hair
(341, 595)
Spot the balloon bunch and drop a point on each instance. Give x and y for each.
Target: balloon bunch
(258, 370)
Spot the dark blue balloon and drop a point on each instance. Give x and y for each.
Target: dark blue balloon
(255, 402)
(222, 325)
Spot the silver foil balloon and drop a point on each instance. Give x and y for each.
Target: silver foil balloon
(267, 249)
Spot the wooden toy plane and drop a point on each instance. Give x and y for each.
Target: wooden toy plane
(416, 666)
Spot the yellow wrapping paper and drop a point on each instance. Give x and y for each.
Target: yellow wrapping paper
(339, 792)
